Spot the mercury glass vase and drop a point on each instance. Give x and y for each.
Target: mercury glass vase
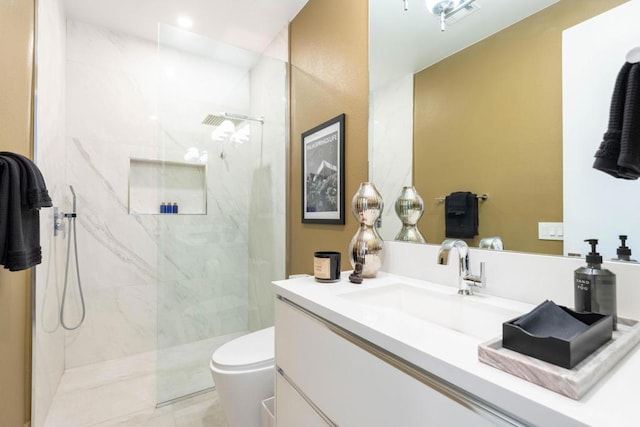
(409, 208)
(366, 245)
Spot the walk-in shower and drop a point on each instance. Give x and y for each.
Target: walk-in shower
(122, 119)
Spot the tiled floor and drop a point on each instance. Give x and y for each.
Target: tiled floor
(123, 393)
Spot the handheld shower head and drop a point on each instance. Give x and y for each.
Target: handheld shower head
(74, 198)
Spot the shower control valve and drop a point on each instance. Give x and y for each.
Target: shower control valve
(58, 225)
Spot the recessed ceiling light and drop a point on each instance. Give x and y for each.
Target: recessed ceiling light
(185, 22)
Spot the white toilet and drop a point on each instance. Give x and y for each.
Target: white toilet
(243, 372)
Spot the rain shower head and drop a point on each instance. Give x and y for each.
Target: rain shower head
(236, 119)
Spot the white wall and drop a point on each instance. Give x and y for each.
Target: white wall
(596, 205)
(391, 147)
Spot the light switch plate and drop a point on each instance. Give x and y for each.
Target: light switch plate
(550, 231)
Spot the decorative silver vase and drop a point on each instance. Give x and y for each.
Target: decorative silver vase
(409, 208)
(367, 246)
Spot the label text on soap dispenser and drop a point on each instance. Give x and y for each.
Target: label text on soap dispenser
(583, 284)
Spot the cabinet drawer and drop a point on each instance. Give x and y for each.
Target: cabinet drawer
(352, 386)
(291, 408)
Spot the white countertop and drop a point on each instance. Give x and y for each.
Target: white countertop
(453, 356)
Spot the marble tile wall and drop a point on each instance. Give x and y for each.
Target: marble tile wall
(111, 116)
(48, 357)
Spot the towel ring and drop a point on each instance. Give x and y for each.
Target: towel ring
(633, 56)
(481, 197)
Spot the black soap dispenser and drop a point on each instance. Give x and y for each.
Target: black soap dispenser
(595, 287)
(624, 252)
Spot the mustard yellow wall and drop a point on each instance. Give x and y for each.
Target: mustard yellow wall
(16, 65)
(329, 76)
(489, 120)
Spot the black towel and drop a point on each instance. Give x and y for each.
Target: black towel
(619, 151)
(22, 193)
(32, 185)
(549, 320)
(461, 215)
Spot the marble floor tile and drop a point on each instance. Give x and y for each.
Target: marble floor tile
(201, 411)
(94, 405)
(166, 420)
(122, 393)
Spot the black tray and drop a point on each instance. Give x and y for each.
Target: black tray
(555, 350)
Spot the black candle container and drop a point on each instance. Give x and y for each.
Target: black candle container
(326, 266)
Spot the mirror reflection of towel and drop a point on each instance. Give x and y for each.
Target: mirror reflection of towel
(461, 215)
(619, 151)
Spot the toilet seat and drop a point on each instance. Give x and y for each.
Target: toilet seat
(252, 351)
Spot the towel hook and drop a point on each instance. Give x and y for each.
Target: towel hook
(633, 56)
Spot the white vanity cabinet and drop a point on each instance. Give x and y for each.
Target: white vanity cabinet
(337, 380)
(292, 410)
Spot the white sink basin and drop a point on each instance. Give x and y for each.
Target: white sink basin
(480, 316)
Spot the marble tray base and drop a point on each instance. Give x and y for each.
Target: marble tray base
(573, 383)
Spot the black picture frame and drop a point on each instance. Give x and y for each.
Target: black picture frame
(323, 173)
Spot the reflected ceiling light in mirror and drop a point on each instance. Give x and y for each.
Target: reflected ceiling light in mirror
(450, 11)
(438, 7)
(184, 21)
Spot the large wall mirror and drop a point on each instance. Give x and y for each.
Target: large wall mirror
(479, 107)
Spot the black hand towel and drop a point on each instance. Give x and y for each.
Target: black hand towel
(619, 151)
(461, 215)
(609, 151)
(33, 188)
(549, 320)
(22, 193)
(629, 160)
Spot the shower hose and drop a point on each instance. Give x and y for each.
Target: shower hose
(72, 232)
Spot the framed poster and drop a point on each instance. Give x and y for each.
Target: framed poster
(323, 173)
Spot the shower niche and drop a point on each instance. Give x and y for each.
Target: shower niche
(154, 182)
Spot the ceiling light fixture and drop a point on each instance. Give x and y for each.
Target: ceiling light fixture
(446, 9)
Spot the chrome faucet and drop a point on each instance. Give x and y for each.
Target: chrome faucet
(466, 280)
(494, 243)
